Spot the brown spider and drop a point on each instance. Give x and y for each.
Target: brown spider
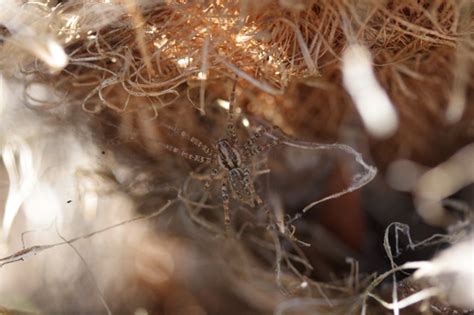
(230, 161)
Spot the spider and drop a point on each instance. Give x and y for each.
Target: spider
(230, 161)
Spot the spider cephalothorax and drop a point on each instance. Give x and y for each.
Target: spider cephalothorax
(228, 156)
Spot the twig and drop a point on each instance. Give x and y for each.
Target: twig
(89, 272)
(33, 250)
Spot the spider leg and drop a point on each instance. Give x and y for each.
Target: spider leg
(255, 149)
(231, 132)
(260, 203)
(257, 135)
(193, 157)
(225, 202)
(248, 183)
(212, 176)
(193, 140)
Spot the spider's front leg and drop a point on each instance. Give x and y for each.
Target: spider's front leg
(252, 148)
(193, 140)
(185, 154)
(231, 130)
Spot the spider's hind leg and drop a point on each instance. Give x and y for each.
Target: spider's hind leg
(271, 218)
(225, 202)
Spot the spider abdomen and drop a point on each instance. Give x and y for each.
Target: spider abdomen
(241, 184)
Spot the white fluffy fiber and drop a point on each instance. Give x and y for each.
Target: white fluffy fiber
(452, 271)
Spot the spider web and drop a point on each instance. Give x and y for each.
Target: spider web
(364, 176)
